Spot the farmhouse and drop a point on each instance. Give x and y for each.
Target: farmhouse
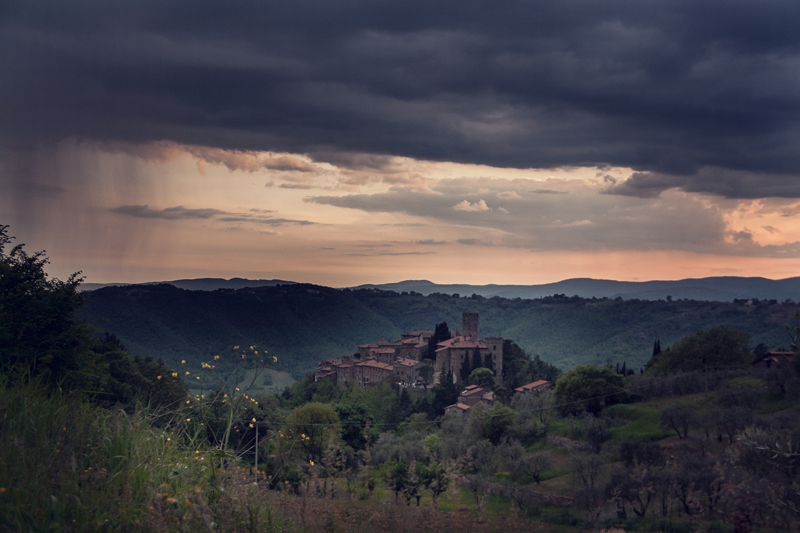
(773, 360)
(469, 397)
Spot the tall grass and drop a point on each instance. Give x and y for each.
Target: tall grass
(66, 464)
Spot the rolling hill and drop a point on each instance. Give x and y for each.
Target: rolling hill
(303, 324)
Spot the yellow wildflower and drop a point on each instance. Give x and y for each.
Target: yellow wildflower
(174, 374)
(159, 377)
(312, 463)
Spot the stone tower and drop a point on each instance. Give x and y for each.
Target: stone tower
(470, 325)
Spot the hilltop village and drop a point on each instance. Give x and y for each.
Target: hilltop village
(417, 362)
(410, 359)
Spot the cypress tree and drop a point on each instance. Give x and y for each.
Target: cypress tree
(488, 362)
(476, 359)
(440, 333)
(466, 369)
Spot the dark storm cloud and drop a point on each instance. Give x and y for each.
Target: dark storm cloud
(698, 95)
(170, 213)
(711, 180)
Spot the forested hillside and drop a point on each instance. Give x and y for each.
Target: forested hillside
(303, 324)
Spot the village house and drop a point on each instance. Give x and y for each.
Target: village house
(470, 397)
(457, 409)
(773, 360)
(473, 395)
(376, 361)
(372, 371)
(407, 370)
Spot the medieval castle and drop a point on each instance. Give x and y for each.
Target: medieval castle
(405, 360)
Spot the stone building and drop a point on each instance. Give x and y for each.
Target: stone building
(474, 394)
(376, 361)
(451, 354)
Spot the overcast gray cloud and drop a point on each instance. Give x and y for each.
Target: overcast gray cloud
(697, 95)
(262, 216)
(268, 221)
(580, 219)
(169, 213)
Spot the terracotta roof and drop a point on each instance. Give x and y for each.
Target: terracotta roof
(469, 391)
(458, 405)
(462, 342)
(403, 361)
(376, 364)
(468, 343)
(384, 342)
(384, 350)
(778, 357)
(531, 386)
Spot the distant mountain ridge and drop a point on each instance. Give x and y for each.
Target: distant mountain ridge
(712, 289)
(199, 284)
